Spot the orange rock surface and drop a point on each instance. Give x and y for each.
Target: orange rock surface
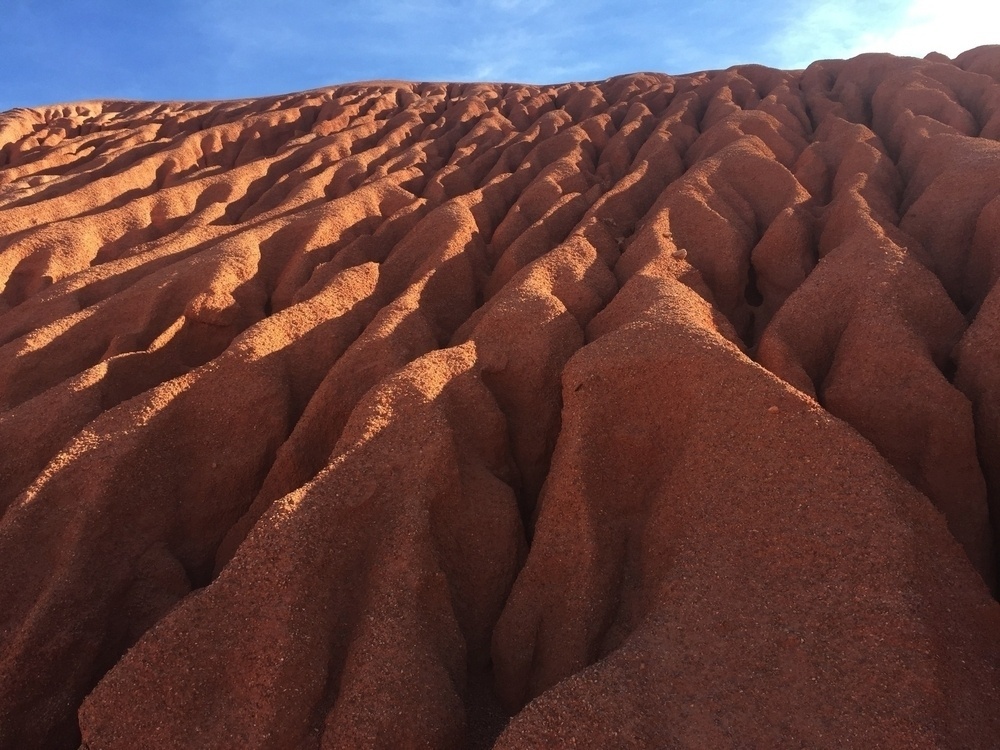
(660, 412)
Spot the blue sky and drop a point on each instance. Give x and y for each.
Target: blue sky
(68, 50)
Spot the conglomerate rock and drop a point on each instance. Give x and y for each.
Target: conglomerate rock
(655, 412)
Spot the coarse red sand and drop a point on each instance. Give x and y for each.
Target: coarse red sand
(660, 412)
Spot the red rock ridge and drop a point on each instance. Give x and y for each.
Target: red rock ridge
(654, 412)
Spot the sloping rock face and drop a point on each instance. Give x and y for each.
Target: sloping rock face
(657, 412)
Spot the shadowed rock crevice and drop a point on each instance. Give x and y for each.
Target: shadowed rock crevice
(656, 411)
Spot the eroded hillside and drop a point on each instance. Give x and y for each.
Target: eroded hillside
(656, 412)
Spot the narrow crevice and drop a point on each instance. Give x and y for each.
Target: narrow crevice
(485, 716)
(751, 293)
(948, 369)
(993, 503)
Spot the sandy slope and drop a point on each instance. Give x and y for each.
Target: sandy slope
(655, 412)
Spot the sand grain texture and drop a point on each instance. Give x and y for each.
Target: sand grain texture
(658, 412)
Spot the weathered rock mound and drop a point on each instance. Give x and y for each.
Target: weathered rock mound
(656, 412)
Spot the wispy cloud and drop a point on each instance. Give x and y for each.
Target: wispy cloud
(513, 50)
(523, 40)
(526, 7)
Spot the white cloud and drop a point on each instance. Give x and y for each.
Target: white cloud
(933, 25)
(838, 29)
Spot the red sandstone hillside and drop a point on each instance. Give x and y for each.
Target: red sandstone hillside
(659, 412)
